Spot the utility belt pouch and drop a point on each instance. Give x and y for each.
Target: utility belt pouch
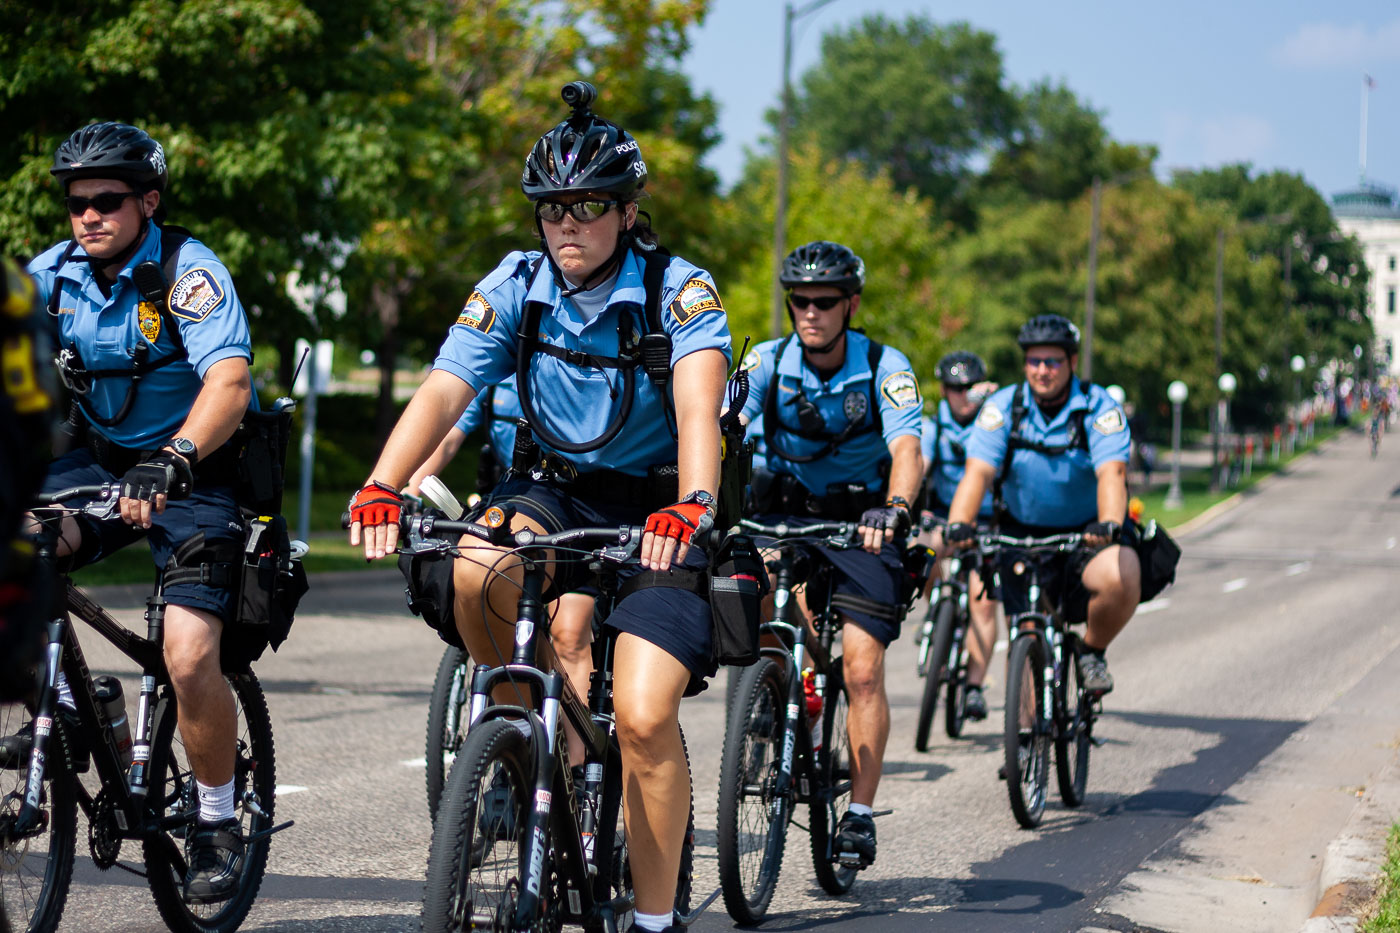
(489, 470)
(271, 585)
(260, 446)
(429, 590)
(1158, 553)
(738, 582)
(762, 495)
(918, 561)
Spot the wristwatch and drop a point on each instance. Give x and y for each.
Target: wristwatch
(700, 497)
(898, 502)
(185, 448)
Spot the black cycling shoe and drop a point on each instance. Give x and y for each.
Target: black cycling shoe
(974, 704)
(495, 818)
(15, 749)
(855, 840)
(217, 853)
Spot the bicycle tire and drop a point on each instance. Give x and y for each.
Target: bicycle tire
(35, 872)
(751, 824)
(443, 743)
(942, 613)
(1073, 738)
(834, 781)
(465, 833)
(1028, 771)
(955, 696)
(172, 790)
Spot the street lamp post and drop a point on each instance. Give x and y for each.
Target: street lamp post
(1177, 393)
(780, 210)
(1296, 364)
(1226, 384)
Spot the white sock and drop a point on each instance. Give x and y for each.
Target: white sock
(65, 692)
(215, 803)
(653, 922)
(860, 809)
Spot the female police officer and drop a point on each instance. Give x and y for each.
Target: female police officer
(584, 297)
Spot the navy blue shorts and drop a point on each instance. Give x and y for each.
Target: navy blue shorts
(676, 621)
(210, 509)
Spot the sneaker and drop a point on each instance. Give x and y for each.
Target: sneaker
(855, 840)
(495, 818)
(974, 704)
(1023, 755)
(1093, 674)
(216, 861)
(15, 749)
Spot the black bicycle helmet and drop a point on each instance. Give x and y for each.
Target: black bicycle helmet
(584, 153)
(111, 150)
(822, 262)
(1049, 330)
(961, 368)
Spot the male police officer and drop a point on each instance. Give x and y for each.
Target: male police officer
(841, 425)
(1059, 450)
(161, 390)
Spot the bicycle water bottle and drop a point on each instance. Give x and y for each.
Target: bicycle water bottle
(813, 685)
(109, 696)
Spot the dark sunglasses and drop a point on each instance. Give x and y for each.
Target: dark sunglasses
(824, 303)
(582, 211)
(1049, 362)
(106, 203)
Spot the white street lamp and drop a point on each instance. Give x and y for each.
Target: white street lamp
(1177, 393)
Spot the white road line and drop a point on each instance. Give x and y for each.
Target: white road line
(1155, 605)
(1390, 544)
(1296, 569)
(1237, 584)
(283, 789)
(415, 763)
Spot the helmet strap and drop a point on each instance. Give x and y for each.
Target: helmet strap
(624, 242)
(121, 258)
(830, 344)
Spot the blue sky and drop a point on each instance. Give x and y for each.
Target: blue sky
(1274, 83)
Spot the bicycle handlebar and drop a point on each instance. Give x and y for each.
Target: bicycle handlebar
(836, 533)
(105, 498)
(1061, 542)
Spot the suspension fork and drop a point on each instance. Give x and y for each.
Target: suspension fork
(783, 612)
(138, 777)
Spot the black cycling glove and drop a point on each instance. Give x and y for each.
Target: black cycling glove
(960, 533)
(886, 518)
(1110, 530)
(164, 474)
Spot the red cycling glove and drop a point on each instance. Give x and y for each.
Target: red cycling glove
(376, 504)
(681, 521)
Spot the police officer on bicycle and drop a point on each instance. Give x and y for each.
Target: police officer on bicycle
(841, 427)
(160, 380)
(945, 436)
(1058, 451)
(623, 437)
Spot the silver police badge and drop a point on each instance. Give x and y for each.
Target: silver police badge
(855, 405)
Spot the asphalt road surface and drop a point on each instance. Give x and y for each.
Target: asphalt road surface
(1283, 604)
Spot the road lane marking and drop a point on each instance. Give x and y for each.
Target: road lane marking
(1237, 584)
(415, 763)
(1296, 569)
(1390, 544)
(1155, 605)
(281, 790)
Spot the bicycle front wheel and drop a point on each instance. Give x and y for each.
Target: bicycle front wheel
(939, 670)
(1074, 737)
(1027, 731)
(834, 786)
(474, 864)
(36, 868)
(172, 805)
(446, 724)
(753, 816)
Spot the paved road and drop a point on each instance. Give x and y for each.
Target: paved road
(1285, 604)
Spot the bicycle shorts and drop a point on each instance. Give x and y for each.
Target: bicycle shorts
(211, 509)
(674, 620)
(1062, 576)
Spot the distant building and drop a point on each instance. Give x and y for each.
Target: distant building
(1370, 213)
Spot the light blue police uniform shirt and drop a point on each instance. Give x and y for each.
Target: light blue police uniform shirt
(203, 304)
(845, 398)
(938, 440)
(1051, 491)
(578, 402)
(505, 412)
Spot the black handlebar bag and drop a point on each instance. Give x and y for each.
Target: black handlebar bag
(738, 583)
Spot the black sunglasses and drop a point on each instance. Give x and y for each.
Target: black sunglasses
(105, 203)
(582, 211)
(824, 303)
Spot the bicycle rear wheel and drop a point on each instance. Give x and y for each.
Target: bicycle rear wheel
(1074, 737)
(834, 784)
(446, 725)
(172, 799)
(1027, 731)
(474, 863)
(939, 670)
(36, 869)
(753, 817)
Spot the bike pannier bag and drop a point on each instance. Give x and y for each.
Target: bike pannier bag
(738, 582)
(1158, 554)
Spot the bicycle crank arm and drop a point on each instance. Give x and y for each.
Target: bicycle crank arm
(686, 920)
(875, 813)
(263, 834)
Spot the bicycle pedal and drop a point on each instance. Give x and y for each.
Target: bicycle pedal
(263, 834)
(686, 920)
(875, 813)
(1097, 742)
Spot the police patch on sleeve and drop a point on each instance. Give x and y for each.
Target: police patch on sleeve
(990, 418)
(148, 321)
(697, 297)
(751, 360)
(1110, 422)
(196, 293)
(477, 313)
(901, 389)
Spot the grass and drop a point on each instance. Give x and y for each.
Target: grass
(1387, 916)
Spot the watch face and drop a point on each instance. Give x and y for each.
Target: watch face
(183, 446)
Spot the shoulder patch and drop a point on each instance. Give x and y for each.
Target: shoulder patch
(990, 418)
(196, 293)
(751, 360)
(148, 321)
(477, 313)
(900, 389)
(695, 298)
(1110, 422)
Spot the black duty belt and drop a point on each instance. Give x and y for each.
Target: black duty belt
(660, 487)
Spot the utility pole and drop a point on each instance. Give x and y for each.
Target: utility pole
(1086, 349)
(1219, 354)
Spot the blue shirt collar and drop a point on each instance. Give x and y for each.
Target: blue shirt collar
(856, 366)
(628, 286)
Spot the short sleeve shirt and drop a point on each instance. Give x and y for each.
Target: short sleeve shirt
(105, 332)
(505, 412)
(578, 402)
(852, 395)
(1051, 490)
(945, 457)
